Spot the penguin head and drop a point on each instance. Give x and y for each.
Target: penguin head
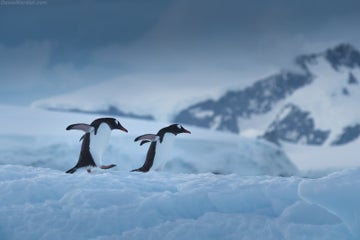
(111, 122)
(117, 125)
(176, 129)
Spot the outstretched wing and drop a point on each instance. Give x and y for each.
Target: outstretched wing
(147, 138)
(81, 126)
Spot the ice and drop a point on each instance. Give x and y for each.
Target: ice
(214, 186)
(41, 203)
(339, 193)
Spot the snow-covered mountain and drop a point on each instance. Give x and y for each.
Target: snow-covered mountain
(316, 104)
(313, 103)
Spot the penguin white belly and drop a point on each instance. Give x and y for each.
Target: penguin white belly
(163, 151)
(99, 142)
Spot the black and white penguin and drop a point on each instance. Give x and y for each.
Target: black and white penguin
(94, 142)
(158, 146)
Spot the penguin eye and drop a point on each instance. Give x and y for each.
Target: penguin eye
(179, 126)
(117, 122)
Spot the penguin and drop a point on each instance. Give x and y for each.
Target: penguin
(94, 142)
(157, 141)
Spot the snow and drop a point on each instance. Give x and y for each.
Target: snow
(199, 113)
(39, 203)
(339, 193)
(184, 201)
(317, 161)
(224, 152)
(324, 99)
(331, 109)
(142, 94)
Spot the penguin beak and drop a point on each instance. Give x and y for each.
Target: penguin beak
(122, 128)
(186, 131)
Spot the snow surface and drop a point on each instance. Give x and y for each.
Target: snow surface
(318, 161)
(40, 203)
(185, 201)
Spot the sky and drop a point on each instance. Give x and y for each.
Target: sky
(51, 47)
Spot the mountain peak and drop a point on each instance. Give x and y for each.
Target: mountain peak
(343, 55)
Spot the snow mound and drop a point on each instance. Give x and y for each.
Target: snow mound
(41, 203)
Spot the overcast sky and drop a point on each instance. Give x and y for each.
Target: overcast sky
(53, 47)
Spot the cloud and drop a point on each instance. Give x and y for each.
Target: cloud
(22, 70)
(241, 36)
(18, 63)
(26, 73)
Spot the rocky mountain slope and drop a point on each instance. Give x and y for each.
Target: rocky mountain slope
(314, 105)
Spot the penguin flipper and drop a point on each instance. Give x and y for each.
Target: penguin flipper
(81, 126)
(82, 138)
(144, 141)
(147, 138)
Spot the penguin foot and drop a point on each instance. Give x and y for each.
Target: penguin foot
(88, 170)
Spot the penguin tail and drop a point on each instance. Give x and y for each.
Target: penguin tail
(72, 170)
(142, 169)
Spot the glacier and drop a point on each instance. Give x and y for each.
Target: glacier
(214, 186)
